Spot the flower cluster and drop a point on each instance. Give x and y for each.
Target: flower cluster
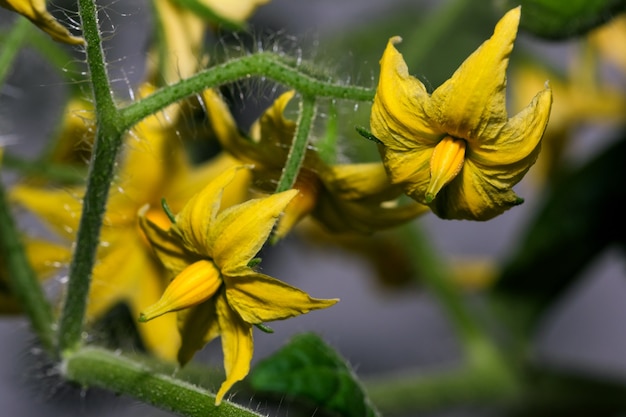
(179, 237)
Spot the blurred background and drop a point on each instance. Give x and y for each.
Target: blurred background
(386, 322)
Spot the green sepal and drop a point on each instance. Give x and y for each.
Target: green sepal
(308, 369)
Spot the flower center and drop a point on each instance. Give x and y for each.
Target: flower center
(445, 164)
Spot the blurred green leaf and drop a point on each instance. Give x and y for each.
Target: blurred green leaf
(307, 368)
(560, 19)
(580, 218)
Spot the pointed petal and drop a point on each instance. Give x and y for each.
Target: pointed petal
(239, 232)
(472, 103)
(237, 345)
(194, 221)
(36, 12)
(520, 138)
(399, 115)
(167, 246)
(197, 325)
(259, 298)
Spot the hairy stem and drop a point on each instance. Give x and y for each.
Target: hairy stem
(105, 369)
(263, 64)
(299, 144)
(107, 143)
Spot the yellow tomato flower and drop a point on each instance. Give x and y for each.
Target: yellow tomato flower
(36, 12)
(155, 166)
(456, 150)
(344, 198)
(208, 252)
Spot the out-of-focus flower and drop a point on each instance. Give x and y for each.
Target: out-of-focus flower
(344, 198)
(208, 252)
(155, 166)
(456, 150)
(36, 12)
(610, 40)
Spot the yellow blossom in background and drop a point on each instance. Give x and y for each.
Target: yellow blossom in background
(208, 252)
(155, 166)
(36, 12)
(456, 150)
(236, 10)
(578, 99)
(610, 40)
(344, 198)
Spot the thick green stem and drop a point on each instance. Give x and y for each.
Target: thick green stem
(299, 144)
(110, 370)
(264, 64)
(22, 279)
(12, 45)
(107, 143)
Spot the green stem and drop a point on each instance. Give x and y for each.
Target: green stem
(471, 385)
(438, 279)
(22, 278)
(105, 369)
(432, 28)
(107, 143)
(12, 45)
(263, 64)
(299, 144)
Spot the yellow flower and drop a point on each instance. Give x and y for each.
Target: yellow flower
(36, 12)
(344, 198)
(456, 149)
(209, 253)
(155, 166)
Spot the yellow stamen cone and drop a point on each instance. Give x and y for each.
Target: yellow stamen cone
(445, 164)
(195, 284)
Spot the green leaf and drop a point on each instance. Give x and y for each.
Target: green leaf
(307, 368)
(559, 19)
(581, 217)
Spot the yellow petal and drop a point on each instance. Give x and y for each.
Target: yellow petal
(445, 164)
(239, 232)
(309, 188)
(193, 222)
(237, 346)
(58, 209)
(167, 246)
(259, 298)
(519, 139)
(238, 10)
(475, 195)
(183, 34)
(472, 103)
(195, 284)
(197, 325)
(36, 12)
(399, 116)
(358, 181)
